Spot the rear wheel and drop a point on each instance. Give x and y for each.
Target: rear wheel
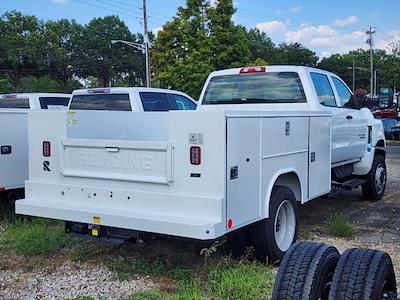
(374, 188)
(274, 235)
(364, 274)
(306, 272)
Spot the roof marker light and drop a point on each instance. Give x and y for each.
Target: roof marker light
(99, 91)
(253, 70)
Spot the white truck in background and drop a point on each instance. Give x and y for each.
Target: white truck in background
(14, 136)
(136, 99)
(262, 141)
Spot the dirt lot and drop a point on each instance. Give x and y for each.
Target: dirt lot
(377, 224)
(68, 268)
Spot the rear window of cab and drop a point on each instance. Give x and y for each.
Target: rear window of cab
(13, 102)
(253, 88)
(114, 102)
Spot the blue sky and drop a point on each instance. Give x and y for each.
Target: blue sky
(326, 27)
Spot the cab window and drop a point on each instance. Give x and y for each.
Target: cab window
(343, 92)
(154, 101)
(114, 102)
(179, 102)
(12, 102)
(323, 89)
(53, 102)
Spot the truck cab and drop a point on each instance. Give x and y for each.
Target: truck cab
(292, 88)
(130, 99)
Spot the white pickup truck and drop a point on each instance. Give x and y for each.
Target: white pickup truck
(262, 141)
(14, 136)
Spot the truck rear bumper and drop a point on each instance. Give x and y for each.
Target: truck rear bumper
(188, 224)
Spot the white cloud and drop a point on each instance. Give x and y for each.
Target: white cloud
(214, 3)
(295, 9)
(59, 1)
(272, 27)
(307, 33)
(347, 21)
(157, 30)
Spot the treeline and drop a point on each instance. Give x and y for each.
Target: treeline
(64, 55)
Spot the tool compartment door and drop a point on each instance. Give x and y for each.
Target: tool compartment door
(319, 160)
(243, 170)
(14, 149)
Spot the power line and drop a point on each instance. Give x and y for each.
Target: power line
(107, 9)
(114, 5)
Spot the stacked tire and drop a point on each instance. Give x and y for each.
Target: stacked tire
(317, 271)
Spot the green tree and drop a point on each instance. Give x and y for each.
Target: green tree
(59, 50)
(20, 44)
(95, 56)
(296, 54)
(198, 40)
(262, 47)
(228, 42)
(182, 54)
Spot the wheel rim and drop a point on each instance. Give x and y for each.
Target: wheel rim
(380, 178)
(326, 286)
(284, 225)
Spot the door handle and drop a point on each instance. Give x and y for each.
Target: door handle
(349, 117)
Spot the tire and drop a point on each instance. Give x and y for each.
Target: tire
(306, 272)
(274, 236)
(363, 274)
(374, 188)
(237, 242)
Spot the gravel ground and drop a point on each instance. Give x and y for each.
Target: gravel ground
(68, 281)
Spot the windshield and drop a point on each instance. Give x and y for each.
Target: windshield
(275, 87)
(115, 102)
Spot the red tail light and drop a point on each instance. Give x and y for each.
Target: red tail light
(253, 70)
(46, 149)
(195, 155)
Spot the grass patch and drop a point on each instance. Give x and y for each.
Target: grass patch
(126, 268)
(33, 236)
(243, 280)
(148, 295)
(220, 279)
(339, 226)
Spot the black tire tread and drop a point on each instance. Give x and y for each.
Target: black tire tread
(298, 270)
(262, 247)
(356, 272)
(368, 189)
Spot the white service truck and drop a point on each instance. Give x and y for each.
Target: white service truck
(14, 136)
(262, 141)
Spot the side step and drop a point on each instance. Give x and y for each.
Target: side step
(348, 185)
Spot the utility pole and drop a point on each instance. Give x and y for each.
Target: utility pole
(370, 41)
(146, 43)
(354, 74)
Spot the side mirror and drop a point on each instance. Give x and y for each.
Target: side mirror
(385, 98)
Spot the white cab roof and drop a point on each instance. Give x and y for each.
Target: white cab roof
(112, 90)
